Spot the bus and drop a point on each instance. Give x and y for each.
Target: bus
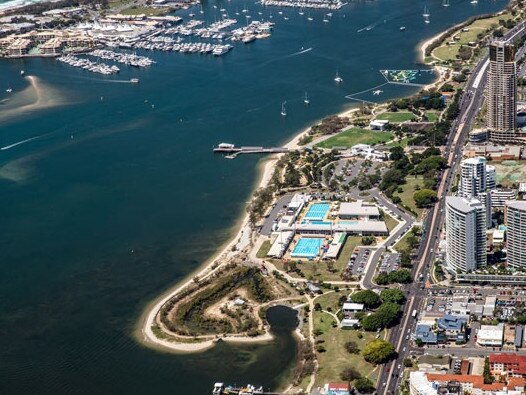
(414, 313)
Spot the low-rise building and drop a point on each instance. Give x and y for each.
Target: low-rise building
(378, 124)
(453, 328)
(490, 335)
(500, 196)
(425, 334)
(349, 309)
(358, 210)
(433, 363)
(336, 389)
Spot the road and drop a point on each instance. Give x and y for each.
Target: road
(470, 104)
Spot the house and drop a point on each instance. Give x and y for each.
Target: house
(350, 323)
(453, 328)
(433, 363)
(349, 309)
(490, 335)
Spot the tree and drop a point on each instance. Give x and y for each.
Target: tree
(488, 378)
(396, 153)
(367, 297)
(392, 296)
(408, 362)
(425, 197)
(368, 240)
(379, 351)
(352, 347)
(350, 374)
(364, 385)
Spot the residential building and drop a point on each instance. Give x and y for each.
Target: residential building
(422, 383)
(378, 124)
(472, 177)
(349, 309)
(512, 365)
(500, 196)
(425, 334)
(502, 92)
(491, 177)
(515, 216)
(490, 335)
(337, 389)
(465, 234)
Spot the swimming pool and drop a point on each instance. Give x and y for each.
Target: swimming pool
(316, 222)
(317, 211)
(307, 248)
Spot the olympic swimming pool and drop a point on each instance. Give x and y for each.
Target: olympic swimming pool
(307, 248)
(317, 211)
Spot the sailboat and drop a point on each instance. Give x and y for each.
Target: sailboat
(338, 79)
(445, 3)
(301, 11)
(9, 90)
(426, 13)
(474, 1)
(325, 19)
(306, 99)
(283, 110)
(310, 18)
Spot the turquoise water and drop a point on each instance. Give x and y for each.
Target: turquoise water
(116, 200)
(317, 211)
(307, 247)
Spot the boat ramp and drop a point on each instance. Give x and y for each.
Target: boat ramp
(232, 151)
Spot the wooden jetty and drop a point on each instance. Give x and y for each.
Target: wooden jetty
(232, 151)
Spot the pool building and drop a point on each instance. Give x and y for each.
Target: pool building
(319, 229)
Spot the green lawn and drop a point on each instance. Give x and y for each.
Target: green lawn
(408, 192)
(396, 117)
(264, 249)
(432, 116)
(402, 244)
(390, 222)
(145, 10)
(446, 52)
(336, 358)
(400, 143)
(354, 136)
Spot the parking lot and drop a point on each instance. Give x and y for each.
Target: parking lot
(358, 260)
(389, 262)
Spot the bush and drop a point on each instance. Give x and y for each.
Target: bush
(352, 347)
(364, 385)
(350, 374)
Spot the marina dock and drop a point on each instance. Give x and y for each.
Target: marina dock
(232, 151)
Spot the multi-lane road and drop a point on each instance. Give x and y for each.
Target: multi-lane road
(470, 104)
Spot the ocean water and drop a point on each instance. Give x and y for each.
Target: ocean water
(110, 193)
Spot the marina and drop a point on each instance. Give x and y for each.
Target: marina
(88, 65)
(249, 389)
(316, 4)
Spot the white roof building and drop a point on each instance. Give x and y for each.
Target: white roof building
(348, 306)
(490, 335)
(358, 210)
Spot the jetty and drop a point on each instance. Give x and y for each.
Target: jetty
(222, 389)
(232, 151)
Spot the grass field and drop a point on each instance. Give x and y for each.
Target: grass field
(264, 249)
(396, 117)
(390, 222)
(408, 192)
(399, 143)
(354, 136)
(446, 52)
(402, 244)
(336, 358)
(432, 116)
(145, 10)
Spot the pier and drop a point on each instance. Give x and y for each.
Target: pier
(222, 389)
(232, 151)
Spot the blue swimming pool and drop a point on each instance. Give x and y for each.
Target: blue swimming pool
(317, 211)
(307, 248)
(316, 222)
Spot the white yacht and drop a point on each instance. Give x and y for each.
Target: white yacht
(338, 79)
(306, 99)
(426, 13)
(283, 110)
(9, 90)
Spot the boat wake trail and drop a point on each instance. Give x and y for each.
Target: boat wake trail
(20, 143)
(289, 56)
(371, 26)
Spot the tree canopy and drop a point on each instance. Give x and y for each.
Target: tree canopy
(367, 297)
(425, 197)
(392, 296)
(379, 351)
